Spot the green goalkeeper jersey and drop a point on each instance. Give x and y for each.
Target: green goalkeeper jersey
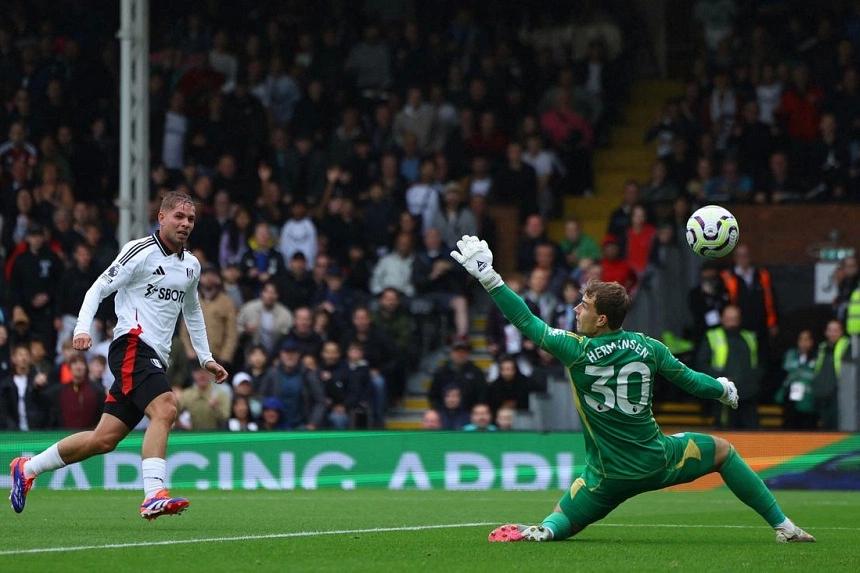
(613, 381)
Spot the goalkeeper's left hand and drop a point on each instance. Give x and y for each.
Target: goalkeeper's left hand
(477, 258)
(730, 392)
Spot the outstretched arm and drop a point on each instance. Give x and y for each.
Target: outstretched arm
(690, 381)
(477, 259)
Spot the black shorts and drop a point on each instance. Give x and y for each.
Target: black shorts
(139, 378)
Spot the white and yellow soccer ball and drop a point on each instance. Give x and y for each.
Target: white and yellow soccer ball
(712, 232)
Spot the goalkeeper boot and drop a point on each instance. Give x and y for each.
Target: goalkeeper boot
(793, 534)
(514, 532)
(21, 484)
(162, 504)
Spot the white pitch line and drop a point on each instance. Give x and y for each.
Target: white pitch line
(355, 531)
(241, 538)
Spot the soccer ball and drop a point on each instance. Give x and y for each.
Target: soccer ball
(712, 232)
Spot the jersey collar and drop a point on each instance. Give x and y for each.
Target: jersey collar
(165, 250)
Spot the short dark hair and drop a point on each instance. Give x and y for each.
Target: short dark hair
(610, 299)
(173, 199)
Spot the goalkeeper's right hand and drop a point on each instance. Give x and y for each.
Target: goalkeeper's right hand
(730, 392)
(477, 258)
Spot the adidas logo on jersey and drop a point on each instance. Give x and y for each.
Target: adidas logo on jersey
(158, 271)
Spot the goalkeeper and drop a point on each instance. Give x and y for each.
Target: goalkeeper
(613, 373)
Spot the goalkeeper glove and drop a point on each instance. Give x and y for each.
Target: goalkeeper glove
(730, 393)
(477, 258)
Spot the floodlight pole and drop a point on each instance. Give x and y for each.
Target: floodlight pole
(134, 120)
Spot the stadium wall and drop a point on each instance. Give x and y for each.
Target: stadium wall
(421, 460)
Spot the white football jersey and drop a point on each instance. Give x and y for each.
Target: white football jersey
(153, 285)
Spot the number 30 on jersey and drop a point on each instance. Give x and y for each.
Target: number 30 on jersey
(622, 384)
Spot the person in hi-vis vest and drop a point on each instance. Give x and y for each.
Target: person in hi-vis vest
(730, 351)
(828, 369)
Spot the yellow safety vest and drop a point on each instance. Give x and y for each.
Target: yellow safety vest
(719, 344)
(838, 352)
(852, 321)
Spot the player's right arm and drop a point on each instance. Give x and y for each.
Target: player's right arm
(690, 381)
(116, 276)
(477, 259)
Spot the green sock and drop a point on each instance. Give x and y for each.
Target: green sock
(559, 524)
(749, 488)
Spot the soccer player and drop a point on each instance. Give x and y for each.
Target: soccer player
(612, 372)
(155, 278)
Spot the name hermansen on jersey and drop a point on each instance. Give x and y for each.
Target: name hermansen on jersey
(624, 344)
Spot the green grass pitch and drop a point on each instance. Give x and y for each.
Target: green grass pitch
(654, 532)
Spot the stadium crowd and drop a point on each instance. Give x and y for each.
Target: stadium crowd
(335, 160)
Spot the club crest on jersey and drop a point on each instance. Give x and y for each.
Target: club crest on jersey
(113, 271)
(481, 266)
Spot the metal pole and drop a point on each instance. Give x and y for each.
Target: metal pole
(134, 127)
(124, 35)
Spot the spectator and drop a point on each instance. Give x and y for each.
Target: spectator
(453, 414)
(488, 141)
(619, 220)
(422, 197)
(234, 238)
(613, 268)
(800, 105)
(538, 292)
(751, 288)
(829, 161)
(25, 401)
(731, 351)
(244, 387)
(576, 245)
(416, 117)
(486, 226)
(752, 141)
(369, 63)
(505, 419)
(534, 233)
(454, 219)
(262, 263)
(703, 184)
(220, 316)
(640, 238)
(302, 333)
(77, 279)
(296, 286)
(17, 149)
(299, 233)
(548, 169)
(273, 414)
(779, 186)
(835, 349)
(431, 420)
(394, 270)
(298, 392)
(175, 131)
(304, 171)
(722, 109)
(847, 278)
(796, 392)
(263, 320)
(511, 389)
(77, 404)
(660, 192)
(398, 326)
(768, 94)
(34, 284)
(481, 420)
(208, 406)
(241, 419)
(480, 180)
(516, 183)
(461, 373)
(707, 300)
(438, 280)
(565, 315)
(96, 368)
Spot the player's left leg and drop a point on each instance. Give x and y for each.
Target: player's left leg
(750, 489)
(161, 410)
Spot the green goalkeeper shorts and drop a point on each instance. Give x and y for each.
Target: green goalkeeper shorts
(592, 496)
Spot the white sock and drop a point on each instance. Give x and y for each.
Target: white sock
(154, 475)
(46, 461)
(787, 525)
